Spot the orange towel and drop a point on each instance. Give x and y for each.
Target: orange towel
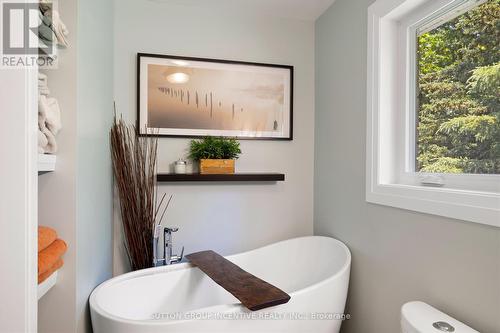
(49, 256)
(46, 236)
(42, 277)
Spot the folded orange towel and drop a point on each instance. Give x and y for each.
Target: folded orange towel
(42, 277)
(50, 255)
(46, 236)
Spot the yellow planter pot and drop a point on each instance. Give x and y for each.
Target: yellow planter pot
(209, 166)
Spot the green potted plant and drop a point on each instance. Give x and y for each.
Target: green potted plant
(215, 155)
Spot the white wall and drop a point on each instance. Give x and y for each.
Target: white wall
(397, 255)
(237, 217)
(18, 201)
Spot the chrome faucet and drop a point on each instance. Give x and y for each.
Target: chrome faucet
(168, 244)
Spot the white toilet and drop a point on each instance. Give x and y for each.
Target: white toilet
(419, 317)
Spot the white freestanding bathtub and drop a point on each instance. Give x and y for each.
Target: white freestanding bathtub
(181, 298)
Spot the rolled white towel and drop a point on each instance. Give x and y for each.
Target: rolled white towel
(43, 88)
(42, 79)
(49, 122)
(53, 120)
(58, 26)
(42, 111)
(51, 147)
(45, 5)
(49, 114)
(42, 142)
(43, 91)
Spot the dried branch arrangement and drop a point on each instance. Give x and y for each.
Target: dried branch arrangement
(134, 166)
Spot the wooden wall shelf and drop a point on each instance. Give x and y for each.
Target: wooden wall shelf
(236, 177)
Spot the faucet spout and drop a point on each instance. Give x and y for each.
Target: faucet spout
(168, 245)
(171, 258)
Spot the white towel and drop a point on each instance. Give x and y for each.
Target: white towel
(43, 88)
(43, 91)
(51, 146)
(42, 111)
(58, 26)
(46, 140)
(49, 114)
(49, 123)
(42, 142)
(45, 5)
(42, 79)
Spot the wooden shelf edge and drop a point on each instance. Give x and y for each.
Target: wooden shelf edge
(236, 177)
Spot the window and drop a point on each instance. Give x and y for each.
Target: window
(433, 95)
(458, 97)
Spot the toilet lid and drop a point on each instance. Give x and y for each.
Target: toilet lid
(419, 317)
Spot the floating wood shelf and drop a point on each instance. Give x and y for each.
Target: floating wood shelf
(254, 293)
(236, 177)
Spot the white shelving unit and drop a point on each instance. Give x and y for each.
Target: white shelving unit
(46, 163)
(45, 286)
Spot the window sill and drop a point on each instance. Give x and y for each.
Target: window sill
(478, 207)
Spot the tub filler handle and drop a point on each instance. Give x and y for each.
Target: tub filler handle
(168, 244)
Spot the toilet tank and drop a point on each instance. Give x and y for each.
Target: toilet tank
(419, 317)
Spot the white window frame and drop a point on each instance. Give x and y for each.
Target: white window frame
(391, 81)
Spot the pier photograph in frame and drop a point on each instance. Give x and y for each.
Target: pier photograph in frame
(192, 97)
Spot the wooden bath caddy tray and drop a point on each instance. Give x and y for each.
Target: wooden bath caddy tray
(254, 293)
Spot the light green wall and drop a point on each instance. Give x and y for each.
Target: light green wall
(398, 255)
(238, 217)
(94, 177)
(76, 199)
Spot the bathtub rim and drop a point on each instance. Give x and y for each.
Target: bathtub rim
(226, 308)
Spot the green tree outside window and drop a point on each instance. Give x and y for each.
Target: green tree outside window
(458, 128)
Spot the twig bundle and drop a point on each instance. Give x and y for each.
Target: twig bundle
(134, 167)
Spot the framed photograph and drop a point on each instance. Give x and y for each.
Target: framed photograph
(192, 97)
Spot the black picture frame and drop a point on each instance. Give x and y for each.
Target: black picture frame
(144, 131)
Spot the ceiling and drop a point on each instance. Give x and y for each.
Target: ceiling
(296, 9)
